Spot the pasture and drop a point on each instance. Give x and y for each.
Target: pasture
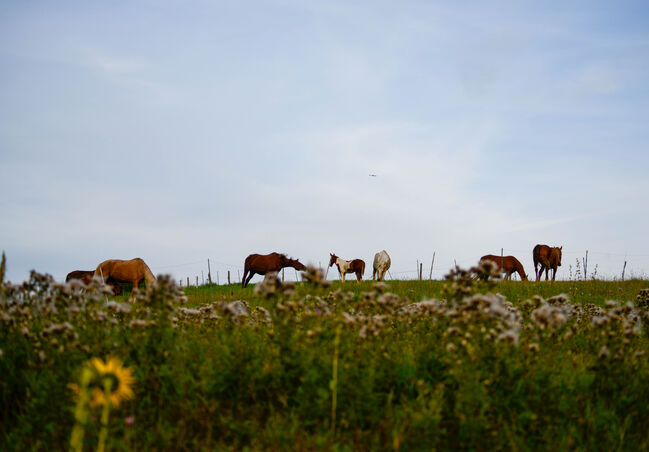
(460, 364)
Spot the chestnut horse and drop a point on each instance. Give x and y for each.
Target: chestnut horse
(134, 271)
(381, 264)
(86, 276)
(356, 266)
(507, 264)
(549, 258)
(264, 263)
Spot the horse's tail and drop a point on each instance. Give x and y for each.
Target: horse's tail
(362, 267)
(102, 271)
(246, 269)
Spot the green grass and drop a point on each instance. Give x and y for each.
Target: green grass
(592, 291)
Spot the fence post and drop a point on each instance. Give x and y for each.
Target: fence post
(421, 270)
(431, 267)
(228, 277)
(188, 281)
(585, 261)
(209, 272)
(623, 268)
(501, 259)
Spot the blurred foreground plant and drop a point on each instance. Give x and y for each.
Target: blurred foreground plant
(102, 384)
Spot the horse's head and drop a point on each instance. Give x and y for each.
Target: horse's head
(333, 259)
(556, 255)
(296, 264)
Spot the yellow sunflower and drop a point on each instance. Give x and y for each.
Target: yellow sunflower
(121, 382)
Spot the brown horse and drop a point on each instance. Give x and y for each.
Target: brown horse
(263, 263)
(86, 276)
(548, 258)
(509, 265)
(134, 271)
(356, 266)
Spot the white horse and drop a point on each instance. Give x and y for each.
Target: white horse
(356, 266)
(381, 264)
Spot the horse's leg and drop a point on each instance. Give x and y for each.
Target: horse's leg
(342, 277)
(554, 273)
(374, 275)
(359, 276)
(546, 272)
(243, 280)
(250, 275)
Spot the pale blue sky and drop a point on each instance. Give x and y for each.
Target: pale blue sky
(182, 131)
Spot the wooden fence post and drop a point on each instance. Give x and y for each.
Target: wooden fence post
(228, 277)
(431, 267)
(623, 268)
(421, 270)
(188, 281)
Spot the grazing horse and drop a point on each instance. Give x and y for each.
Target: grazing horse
(548, 258)
(82, 275)
(356, 266)
(86, 276)
(509, 265)
(381, 264)
(134, 271)
(264, 263)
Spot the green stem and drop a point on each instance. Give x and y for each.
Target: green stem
(334, 382)
(81, 412)
(103, 433)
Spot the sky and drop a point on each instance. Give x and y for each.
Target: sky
(185, 131)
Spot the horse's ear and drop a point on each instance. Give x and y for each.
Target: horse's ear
(561, 247)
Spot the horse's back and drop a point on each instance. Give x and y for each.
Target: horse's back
(263, 262)
(83, 275)
(123, 270)
(381, 260)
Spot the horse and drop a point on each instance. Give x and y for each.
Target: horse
(119, 271)
(381, 264)
(548, 258)
(264, 263)
(507, 264)
(356, 266)
(86, 276)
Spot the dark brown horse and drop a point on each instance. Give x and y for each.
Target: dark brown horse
(356, 266)
(86, 276)
(132, 271)
(549, 258)
(263, 263)
(507, 264)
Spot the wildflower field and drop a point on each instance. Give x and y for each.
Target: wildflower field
(461, 364)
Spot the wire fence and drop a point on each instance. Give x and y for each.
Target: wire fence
(585, 264)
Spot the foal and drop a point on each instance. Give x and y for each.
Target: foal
(356, 266)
